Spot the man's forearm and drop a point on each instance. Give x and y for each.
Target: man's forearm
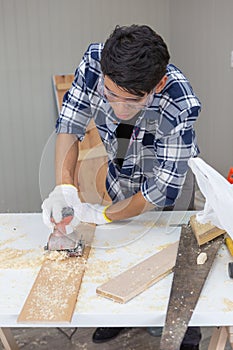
(129, 207)
(66, 158)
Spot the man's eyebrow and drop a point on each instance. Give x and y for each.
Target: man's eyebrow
(110, 90)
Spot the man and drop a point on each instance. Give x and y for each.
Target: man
(144, 110)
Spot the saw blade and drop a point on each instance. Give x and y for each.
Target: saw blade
(188, 281)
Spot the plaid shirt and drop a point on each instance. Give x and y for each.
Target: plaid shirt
(162, 141)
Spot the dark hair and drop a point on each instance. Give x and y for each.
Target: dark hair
(135, 58)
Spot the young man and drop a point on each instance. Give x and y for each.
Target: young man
(144, 110)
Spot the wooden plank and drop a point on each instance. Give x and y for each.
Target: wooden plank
(134, 281)
(90, 179)
(230, 335)
(7, 339)
(91, 148)
(53, 296)
(58, 80)
(91, 153)
(204, 232)
(218, 339)
(62, 83)
(63, 86)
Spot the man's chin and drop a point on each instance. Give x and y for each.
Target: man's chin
(125, 116)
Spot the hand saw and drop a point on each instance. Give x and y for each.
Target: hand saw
(188, 281)
(73, 243)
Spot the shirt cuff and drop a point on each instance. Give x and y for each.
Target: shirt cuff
(152, 194)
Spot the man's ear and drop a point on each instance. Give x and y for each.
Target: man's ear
(159, 87)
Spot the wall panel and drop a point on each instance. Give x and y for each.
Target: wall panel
(201, 43)
(40, 38)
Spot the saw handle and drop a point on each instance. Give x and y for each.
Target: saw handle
(230, 176)
(67, 216)
(229, 244)
(230, 269)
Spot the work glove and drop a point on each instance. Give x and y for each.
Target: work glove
(93, 213)
(63, 197)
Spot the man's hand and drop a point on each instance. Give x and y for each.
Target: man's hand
(93, 213)
(61, 197)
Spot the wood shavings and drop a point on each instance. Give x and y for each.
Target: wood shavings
(55, 255)
(11, 240)
(201, 258)
(149, 224)
(163, 246)
(11, 258)
(229, 305)
(55, 287)
(101, 270)
(135, 232)
(110, 251)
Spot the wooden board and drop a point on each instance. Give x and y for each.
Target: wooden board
(204, 232)
(7, 339)
(134, 281)
(53, 296)
(91, 168)
(62, 83)
(218, 339)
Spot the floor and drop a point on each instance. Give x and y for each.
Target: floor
(128, 339)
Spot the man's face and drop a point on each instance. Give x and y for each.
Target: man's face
(124, 104)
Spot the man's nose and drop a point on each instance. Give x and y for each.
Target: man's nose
(120, 107)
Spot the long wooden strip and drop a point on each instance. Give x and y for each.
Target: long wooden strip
(53, 296)
(134, 281)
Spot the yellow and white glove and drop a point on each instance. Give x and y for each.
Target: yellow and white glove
(93, 213)
(63, 196)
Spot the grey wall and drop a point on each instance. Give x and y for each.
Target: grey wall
(39, 38)
(201, 42)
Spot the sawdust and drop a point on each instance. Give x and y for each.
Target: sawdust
(80, 345)
(110, 251)
(149, 224)
(135, 232)
(54, 290)
(55, 255)
(201, 258)
(10, 240)
(229, 305)
(11, 258)
(163, 246)
(101, 270)
(207, 226)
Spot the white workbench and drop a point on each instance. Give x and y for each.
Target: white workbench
(117, 247)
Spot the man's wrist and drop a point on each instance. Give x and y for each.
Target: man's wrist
(66, 183)
(106, 217)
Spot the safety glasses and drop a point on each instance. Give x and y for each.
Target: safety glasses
(137, 103)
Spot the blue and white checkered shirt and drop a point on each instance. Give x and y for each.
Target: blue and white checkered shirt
(162, 141)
